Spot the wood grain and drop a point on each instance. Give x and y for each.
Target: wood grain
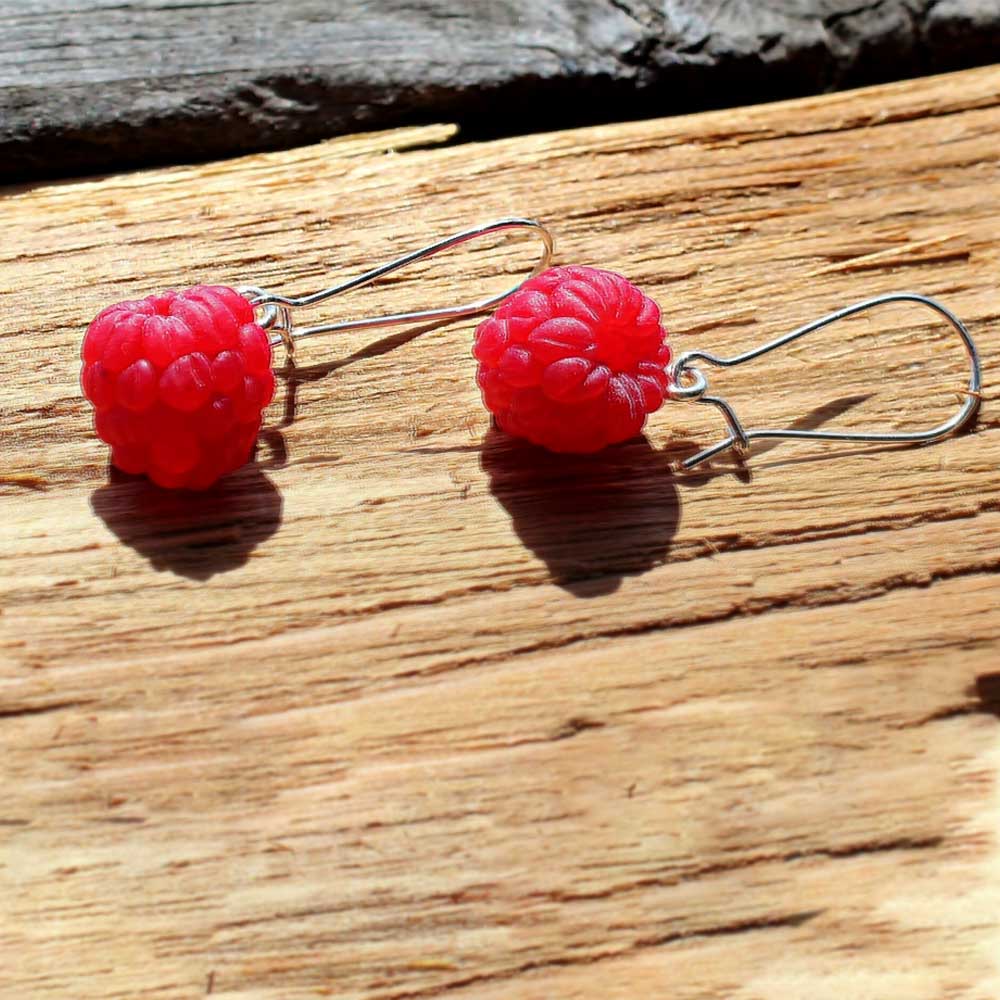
(406, 710)
(98, 85)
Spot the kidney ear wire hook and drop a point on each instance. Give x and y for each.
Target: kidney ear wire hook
(689, 382)
(277, 309)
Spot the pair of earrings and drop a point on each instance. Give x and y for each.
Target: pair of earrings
(573, 359)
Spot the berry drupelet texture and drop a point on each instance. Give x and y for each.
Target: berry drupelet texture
(178, 382)
(574, 361)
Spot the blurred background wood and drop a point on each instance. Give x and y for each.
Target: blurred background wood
(108, 84)
(405, 709)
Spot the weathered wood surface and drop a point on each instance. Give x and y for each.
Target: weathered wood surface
(105, 84)
(407, 711)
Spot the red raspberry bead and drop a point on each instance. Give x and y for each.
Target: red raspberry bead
(575, 360)
(179, 382)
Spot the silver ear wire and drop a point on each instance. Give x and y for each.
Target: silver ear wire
(277, 309)
(688, 382)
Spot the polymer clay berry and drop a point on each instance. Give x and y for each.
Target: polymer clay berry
(574, 360)
(179, 382)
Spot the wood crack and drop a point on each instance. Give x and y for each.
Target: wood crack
(736, 927)
(24, 711)
(695, 873)
(749, 609)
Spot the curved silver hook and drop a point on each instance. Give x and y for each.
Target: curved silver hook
(278, 308)
(688, 382)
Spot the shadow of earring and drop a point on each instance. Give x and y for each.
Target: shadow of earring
(592, 519)
(295, 375)
(191, 534)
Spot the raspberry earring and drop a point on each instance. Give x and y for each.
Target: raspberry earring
(179, 380)
(574, 359)
(577, 358)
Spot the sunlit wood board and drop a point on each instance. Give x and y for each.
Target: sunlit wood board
(405, 710)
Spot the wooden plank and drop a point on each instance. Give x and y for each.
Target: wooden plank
(405, 709)
(110, 84)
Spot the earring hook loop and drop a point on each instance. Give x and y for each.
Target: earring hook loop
(689, 382)
(278, 308)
